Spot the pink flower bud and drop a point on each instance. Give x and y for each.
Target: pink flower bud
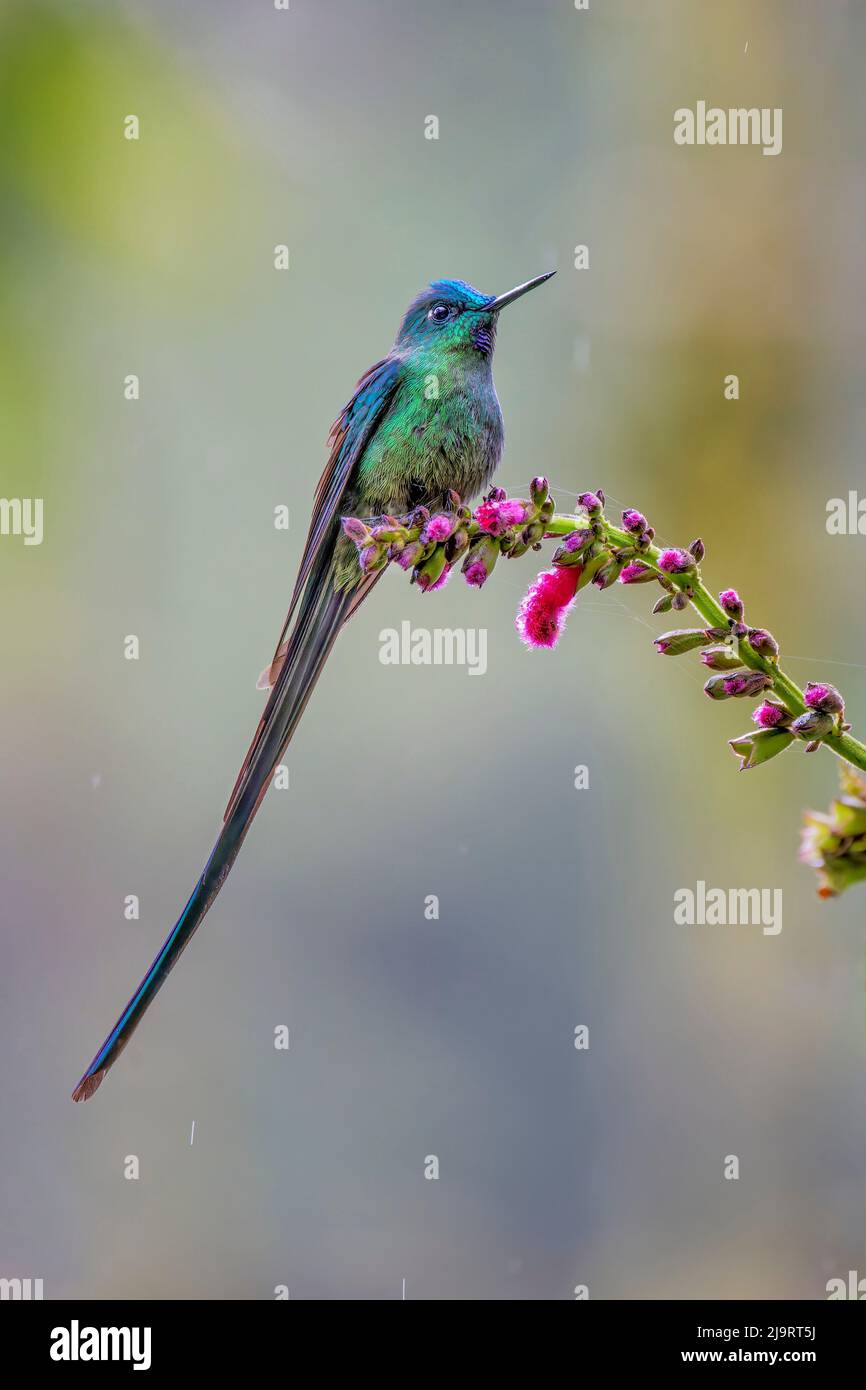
(748, 684)
(591, 502)
(731, 603)
(825, 698)
(764, 643)
(438, 528)
(480, 559)
(495, 518)
(354, 528)
(409, 556)
(636, 573)
(633, 521)
(676, 561)
(769, 715)
(475, 574)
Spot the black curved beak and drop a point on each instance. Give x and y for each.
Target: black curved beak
(494, 305)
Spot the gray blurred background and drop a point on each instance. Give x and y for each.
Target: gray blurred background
(412, 1037)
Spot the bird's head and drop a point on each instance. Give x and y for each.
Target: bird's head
(451, 315)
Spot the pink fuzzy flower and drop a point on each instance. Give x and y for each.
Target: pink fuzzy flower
(541, 617)
(676, 561)
(476, 574)
(496, 517)
(770, 716)
(634, 521)
(438, 528)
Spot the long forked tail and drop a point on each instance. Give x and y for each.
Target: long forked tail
(321, 615)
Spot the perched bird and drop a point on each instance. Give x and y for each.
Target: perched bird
(423, 422)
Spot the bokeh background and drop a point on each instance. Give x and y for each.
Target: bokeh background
(411, 1037)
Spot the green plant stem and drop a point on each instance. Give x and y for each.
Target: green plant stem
(845, 746)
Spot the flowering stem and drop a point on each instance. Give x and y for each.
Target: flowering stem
(844, 745)
(594, 551)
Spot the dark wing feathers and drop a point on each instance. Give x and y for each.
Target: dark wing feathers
(350, 434)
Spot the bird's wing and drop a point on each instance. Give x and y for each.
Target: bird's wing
(350, 434)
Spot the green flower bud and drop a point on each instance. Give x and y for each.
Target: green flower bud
(680, 640)
(715, 688)
(539, 491)
(754, 749)
(812, 725)
(720, 659)
(426, 575)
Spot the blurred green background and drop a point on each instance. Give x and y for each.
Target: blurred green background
(411, 1037)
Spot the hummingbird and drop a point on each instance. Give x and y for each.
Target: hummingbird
(422, 424)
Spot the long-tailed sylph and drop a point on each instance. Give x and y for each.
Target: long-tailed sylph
(423, 423)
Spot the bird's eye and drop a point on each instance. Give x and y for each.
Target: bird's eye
(439, 313)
